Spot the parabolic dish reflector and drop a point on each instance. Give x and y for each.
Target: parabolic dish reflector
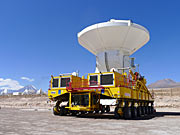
(115, 35)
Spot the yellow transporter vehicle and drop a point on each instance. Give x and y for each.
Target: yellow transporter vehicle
(83, 95)
(112, 42)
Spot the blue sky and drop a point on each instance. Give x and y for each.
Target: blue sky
(39, 37)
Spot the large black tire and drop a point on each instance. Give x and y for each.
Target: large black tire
(102, 109)
(134, 112)
(63, 111)
(139, 111)
(96, 111)
(83, 112)
(107, 108)
(116, 114)
(146, 109)
(149, 110)
(127, 113)
(56, 110)
(73, 113)
(142, 110)
(153, 110)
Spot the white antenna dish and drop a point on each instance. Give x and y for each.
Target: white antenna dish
(113, 42)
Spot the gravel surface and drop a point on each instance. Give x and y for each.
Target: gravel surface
(42, 122)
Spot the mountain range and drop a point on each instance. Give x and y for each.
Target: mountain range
(29, 89)
(165, 83)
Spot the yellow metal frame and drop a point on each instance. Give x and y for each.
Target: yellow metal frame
(118, 90)
(54, 92)
(90, 107)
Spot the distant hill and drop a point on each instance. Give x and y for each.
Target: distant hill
(29, 89)
(165, 83)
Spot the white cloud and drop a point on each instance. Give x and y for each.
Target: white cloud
(28, 79)
(9, 84)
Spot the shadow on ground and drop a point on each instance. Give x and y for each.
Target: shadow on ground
(111, 116)
(163, 114)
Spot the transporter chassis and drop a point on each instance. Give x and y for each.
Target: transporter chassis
(83, 96)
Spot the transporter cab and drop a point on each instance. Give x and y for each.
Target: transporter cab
(76, 95)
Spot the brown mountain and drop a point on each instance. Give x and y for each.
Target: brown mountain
(165, 83)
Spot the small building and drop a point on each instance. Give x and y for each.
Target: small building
(39, 91)
(17, 93)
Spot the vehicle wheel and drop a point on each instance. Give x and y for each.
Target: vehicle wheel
(63, 111)
(127, 113)
(134, 112)
(107, 108)
(102, 109)
(96, 111)
(142, 110)
(153, 110)
(149, 109)
(139, 112)
(146, 109)
(116, 114)
(73, 113)
(56, 110)
(83, 112)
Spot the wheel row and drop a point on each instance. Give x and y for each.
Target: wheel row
(133, 112)
(103, 109)
(62, 111)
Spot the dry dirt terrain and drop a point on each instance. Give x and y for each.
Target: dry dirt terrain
(21, 115)
(42, 122)
(25, 101)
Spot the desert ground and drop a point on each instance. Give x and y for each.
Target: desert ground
(21, 115)
(42, 122)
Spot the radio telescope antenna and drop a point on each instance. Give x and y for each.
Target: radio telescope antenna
(113, 42)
